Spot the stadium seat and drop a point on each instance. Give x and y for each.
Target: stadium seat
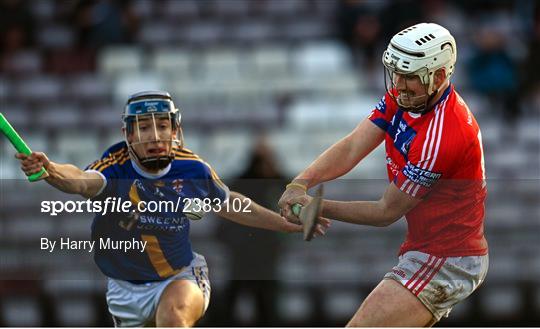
(174, 62)
(244, 308)
(128, 83)
(29, 228)
(60, 115)
(307, 29)
(270, 60)
(43, 10)
(74, 312)
(26, 62)
(156, 34)
(106, 116)
(89, 88)
(175, 10)
(294, 306)
(19, 115)
(146, 10)
(222, 64)
(341, 304)
(226, 150)
(202, 33)
(283, 8)
(501, 301)
(253, 31)
(79, 148)
(40, 88)
(321, 59)
(228, 9)
(114, 60)
(324, 8)
(56, 36)
(21, 312)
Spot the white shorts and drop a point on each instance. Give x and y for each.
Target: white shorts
(134, 305)
(439, 283)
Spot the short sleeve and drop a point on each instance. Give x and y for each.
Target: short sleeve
(106, 167)
(383, 112)
(216, 188)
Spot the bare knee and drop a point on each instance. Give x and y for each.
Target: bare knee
(176, 316)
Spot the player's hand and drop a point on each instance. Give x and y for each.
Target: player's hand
(323, 223)
(33, 163)
(320, 230)
(285, 202)
(302, 200)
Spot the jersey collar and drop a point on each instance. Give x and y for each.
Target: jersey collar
(148, 175)
(444, 95)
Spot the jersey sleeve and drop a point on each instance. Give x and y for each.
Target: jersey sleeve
(215, 187)
(106, 167)
(383, 112)
(429, 161)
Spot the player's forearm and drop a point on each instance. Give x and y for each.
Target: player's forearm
(371, 213)
(254, 216)
(70, 179)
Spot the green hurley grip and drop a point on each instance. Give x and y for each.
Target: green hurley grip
(296, 208)
(18, 143)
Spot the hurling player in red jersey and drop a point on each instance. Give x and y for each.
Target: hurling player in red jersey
(435, 168)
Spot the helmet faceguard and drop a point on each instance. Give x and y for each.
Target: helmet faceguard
(152, 129)
(418, 52)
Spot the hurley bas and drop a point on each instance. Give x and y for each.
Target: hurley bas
(89, 245)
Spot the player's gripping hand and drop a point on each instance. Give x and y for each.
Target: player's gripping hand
(285, 203)
(31, 164)
(323, 223)
(320, 229)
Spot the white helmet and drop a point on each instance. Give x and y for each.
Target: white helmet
(421, 50)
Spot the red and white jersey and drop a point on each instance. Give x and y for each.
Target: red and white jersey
(438, 157)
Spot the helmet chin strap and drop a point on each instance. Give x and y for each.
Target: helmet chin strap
(423, 108)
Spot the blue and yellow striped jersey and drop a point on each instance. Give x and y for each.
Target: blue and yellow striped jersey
(165, 230)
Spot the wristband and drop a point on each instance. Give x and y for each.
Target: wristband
(303, 187)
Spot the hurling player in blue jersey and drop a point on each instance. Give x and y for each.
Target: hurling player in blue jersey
(167, 283)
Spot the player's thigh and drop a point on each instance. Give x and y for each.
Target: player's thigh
(390, 305)
(181, 304)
